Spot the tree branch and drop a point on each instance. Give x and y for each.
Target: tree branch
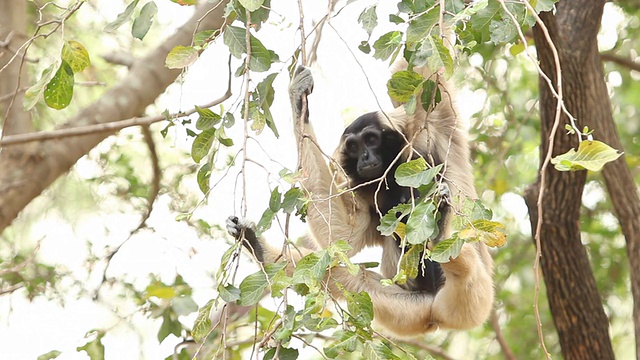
(45, 161)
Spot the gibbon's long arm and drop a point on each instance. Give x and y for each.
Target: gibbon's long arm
(330, 217)
(466, 297)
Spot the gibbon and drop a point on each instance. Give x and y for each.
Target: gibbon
(453, 295)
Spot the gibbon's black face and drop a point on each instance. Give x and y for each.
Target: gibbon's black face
(368, 148)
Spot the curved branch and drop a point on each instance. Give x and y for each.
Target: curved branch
(43, 162)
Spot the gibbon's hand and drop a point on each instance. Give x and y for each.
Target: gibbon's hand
(301, 84)
(245, 231)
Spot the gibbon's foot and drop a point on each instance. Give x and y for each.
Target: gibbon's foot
(245, 231)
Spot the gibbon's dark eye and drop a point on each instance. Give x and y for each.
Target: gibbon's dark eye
(371, 139)
(352, 147)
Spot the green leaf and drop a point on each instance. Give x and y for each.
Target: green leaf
(251, 5)
(265, 221)
(415, 173)
(421, 27)
(50, 355)
(202, 38)
(169, 326)
(204, 177)
(94, 348)
(32, 95)
(410, 261)
(75, 55)
(229, 293)
(160, 290)
(221, 136)
(390, 220)
(395, 19)
(387, 44)
(422, 223)
(261, 58)
(183, 305)
(368, 19)
(310, 269)
(122, 17)
(440, 57)
(253, 286)
(447, 249)
(258, 16)
(207, 119)
(142, 23)
(591, 155)
(376, 350)
(360, 308)
(293, 198)
(347, 343)
(403, 85)
(275, 200)
(59, 91)
(180, 57)
(502, 31)
(265, 98)
(489, 232)
(202, 325)
(481, 20)
(431, 95)
(202, 144)
(283, 354)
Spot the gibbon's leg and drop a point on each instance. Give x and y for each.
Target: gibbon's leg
(330, 217)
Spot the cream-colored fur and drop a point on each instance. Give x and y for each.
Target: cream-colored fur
(466, 298)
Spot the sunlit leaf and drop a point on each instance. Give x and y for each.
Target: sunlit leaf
(180, 57)
(410, 261)
(202, 325)
(142, 23)
(122, 17)
(59, 91)
(283, 354)
(203, 177)
(183, 305)
(422, 223)
(591, 155)
(75, 55)
(32, 95)
(390, 220)
(387, 44)
(50, 355)
(376, 350)
(207, 118)
(446, 250)
(253, 286)
(346, 344)
(403, 85)
(94, 348)
(421, 26)
(251, 5)
(229, 293)
(489, 232)
(202, 144)
(415, 173)
(368, 19)
(160, 290)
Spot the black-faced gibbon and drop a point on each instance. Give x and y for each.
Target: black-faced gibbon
(453, 295)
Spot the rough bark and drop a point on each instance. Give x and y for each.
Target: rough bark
(571, 288)
(30, 168)
(13, 26)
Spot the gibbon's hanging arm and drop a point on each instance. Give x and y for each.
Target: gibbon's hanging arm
(455, 295)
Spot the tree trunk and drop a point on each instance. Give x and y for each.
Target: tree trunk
(30, 168)
(571, 288)
(13, 27)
